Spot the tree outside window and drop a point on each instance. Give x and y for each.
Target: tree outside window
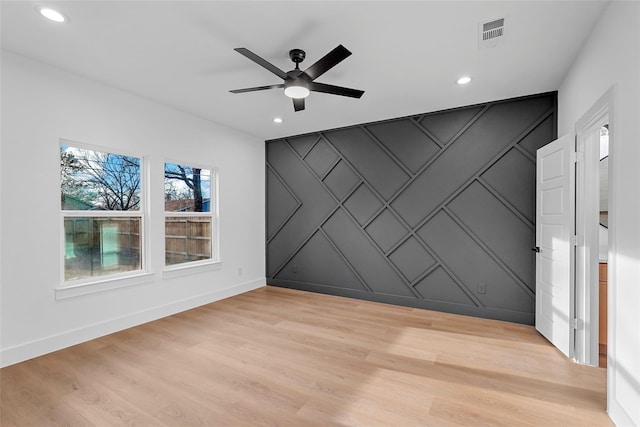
(101, 202)
(188, 214)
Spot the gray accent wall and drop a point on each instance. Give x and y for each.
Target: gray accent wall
(434, 211)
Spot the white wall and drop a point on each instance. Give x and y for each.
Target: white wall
(611, 58)
(41, 104)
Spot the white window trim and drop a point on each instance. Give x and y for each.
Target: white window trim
(72, 288)
(107, 283)
(213, 263)
(215, 217)
(190, 268)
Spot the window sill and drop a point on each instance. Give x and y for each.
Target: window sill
(102, 285)
(190, 268)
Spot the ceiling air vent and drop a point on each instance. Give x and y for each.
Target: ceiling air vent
(491, 33)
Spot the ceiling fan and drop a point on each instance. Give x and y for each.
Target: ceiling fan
(297, 83)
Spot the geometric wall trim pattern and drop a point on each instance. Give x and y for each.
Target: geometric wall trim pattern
(435, 211)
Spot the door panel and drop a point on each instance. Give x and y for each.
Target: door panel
(555, 219)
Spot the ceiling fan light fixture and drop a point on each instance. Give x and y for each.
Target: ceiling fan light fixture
(296, 91)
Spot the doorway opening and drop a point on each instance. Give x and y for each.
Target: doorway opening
(603, 244)
(595, 222)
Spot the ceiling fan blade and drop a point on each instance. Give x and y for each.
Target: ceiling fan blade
(262, 62)
(335, 90)
(253, 89)
(327, 62)
(298, 104)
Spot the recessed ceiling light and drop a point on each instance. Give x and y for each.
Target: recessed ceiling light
(463, 80)
(277, 120)
(52, 14)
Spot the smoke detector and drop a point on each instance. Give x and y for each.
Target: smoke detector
(490, 34)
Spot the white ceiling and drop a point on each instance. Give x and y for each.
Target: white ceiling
(406, 55)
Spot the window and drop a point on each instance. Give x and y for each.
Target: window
(102, 213)
(189, 220)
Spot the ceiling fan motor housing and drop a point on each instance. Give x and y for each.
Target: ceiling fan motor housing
(297, 77)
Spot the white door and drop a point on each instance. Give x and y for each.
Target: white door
(555, 219)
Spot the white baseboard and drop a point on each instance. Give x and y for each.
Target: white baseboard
(29, 350)
(617, 412)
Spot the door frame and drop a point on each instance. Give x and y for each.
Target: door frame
(587, 131)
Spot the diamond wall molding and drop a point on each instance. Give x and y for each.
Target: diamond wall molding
(416, 211)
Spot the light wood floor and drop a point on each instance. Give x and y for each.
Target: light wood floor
(280, 357)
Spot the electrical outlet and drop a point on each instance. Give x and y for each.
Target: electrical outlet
(239, 271)
(482, 288)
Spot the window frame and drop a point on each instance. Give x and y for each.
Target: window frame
(87, 285)
(200, 265)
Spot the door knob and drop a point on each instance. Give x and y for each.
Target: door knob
(536, 249)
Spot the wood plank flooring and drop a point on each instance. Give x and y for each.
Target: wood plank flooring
(279, 357)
